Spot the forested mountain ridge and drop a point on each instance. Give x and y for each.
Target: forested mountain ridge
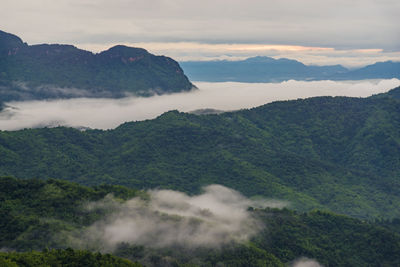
(64, 71)
(338, 153)
(37, 214)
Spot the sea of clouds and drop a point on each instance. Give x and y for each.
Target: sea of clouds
(106, 113)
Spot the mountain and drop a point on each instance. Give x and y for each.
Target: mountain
(37, 214)
(267, 69)
(379, 70)
(337, 153)
(64, 71)
(256, 69)
(9, 42)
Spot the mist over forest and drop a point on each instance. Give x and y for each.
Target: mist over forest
(106, 113)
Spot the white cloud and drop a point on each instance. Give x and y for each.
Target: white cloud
(305, 262)
(217, 216)
(109, 113)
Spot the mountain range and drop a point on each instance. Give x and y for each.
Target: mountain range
(267, 69)
(337, 153)
(64, 71)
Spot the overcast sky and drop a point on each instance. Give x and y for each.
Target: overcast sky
(351, 32)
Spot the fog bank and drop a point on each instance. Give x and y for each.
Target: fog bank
(169, 218)
(106, 113)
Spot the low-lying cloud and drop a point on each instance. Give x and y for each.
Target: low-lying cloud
(169, 218)
(305, 262)
(24, 92)
(106, 113)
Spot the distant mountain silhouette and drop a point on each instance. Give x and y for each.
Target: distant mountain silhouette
(267, 69)
(53, 71)
(379, 70)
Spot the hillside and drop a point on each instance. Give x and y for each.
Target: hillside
(68, 257)
(267, 69)
(64, 71)
(39, 214)
(336, 153)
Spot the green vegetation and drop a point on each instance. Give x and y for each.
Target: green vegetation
(32, 212)
(337, 153)
(395, 93)
(68, 257)
(334, 240)
(242, 255)
(62, 71)
(37, 213)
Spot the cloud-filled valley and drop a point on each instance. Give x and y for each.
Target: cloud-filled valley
(106, 113)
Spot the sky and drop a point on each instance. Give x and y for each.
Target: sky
(350, 32)
(227, 96)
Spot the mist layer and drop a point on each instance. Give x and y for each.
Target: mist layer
(103, 113)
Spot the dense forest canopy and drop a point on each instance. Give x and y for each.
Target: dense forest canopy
(68, 257)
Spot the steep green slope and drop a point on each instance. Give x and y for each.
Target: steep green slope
(339, 153)
(64, 71)
(333, 240)
(33, 212)
(395, 93)
(69, 257)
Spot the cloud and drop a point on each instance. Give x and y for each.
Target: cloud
(305, 262)
(109, 113)
(345, 28)
(216, 217)
(332, 23)
(20, 90)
